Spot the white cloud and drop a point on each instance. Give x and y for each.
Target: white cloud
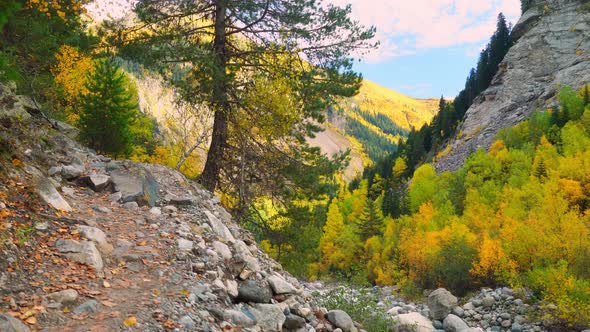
(407, 26)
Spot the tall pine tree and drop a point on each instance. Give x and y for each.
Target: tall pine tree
(108, 110)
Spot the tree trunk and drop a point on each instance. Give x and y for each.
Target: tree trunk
(210, 177)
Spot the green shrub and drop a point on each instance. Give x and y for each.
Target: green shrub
(361, 305)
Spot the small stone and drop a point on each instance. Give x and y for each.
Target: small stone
(293, 322)
(170, 209)
(54, 170)
(232, 288)
(84, 252)
(87, 307)
(458, 311)
(42, 226)
(506, 323)
(488, 301)
(222, 250)
(156, 211)
(187, 322)
(64, 297)
(185, 245)
(115, 197)
(101, 209)
(131, 205)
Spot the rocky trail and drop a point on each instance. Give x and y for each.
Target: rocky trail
(93, 244)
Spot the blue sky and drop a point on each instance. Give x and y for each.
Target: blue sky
(427, 46)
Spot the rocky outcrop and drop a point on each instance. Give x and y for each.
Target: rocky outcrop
(552, 49)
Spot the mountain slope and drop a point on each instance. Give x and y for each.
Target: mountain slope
(551, 49)
(372, 123)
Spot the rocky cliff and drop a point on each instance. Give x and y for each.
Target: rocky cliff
(551, 49)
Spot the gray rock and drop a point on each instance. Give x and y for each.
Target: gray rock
(131, 205)
(101, 209)
(84, 252)
(550, 50)
(136, 184)
(412, 322)
(342, 320)
(280, 285)
(73, 171)
(506, 323)
(293, 322)
(269, 317)
(488, 301)
(185, 245)
(170, 209)
(222, 250)
(250, 291)
(219, 228)
(156, 211)
(50, 195)
(97, 182)
(453, 323)
(187, 322)
(441, 302)
(239, 318)
(458, 311)
(67, 296)
(98, 237)
(11, 324)
(90, 306)
(516, 327)
(54, 170)
(231, 287)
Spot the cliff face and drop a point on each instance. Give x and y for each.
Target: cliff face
(551, 49)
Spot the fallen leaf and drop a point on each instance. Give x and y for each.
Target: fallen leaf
(108, 303)
(31, 320)
(130, 321)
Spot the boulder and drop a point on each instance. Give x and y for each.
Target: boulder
(441, 302)
(453, 323)
(73, 171)
(84, 252)
(250, 291)
(97, 182)
(51, 196)
(269, 317)
(136, 184)
(98, 237)
(341, 320)
(412, 322)
(11, 324)
(280, 286)
(219, 228)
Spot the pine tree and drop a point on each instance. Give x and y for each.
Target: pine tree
(108, 110)
(587, 95)
(235, 47)
(541, 170)
(370, 222)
